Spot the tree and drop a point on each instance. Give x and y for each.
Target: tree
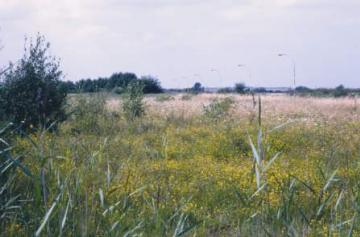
(32, 91)
(120, 80)
(197, 88)
(69, 86)
(340, 91)
(302, 89)
(151, 85)
(240, 88)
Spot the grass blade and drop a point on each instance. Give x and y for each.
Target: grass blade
(47, 216)
(65, 216)
(267, 166)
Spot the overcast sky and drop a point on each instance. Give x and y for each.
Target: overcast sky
(180, 41)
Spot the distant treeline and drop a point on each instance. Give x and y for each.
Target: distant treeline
(116, 83)
(339, 91)
(241, 88)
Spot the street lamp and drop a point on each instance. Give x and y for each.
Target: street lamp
(247, 68)
(294, 66)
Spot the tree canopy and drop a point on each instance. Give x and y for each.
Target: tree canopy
(117, 83)
(31, 93)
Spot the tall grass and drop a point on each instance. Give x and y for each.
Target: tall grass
(103, 175)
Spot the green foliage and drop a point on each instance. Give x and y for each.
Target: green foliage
(197, 88)
(151, 85)
(225, 90)
(302, 89)
(119, 90)
(2, 103)
(86, 113)
(240, 88)
(133, 105)
(31, 93)
(219, 108)
(116, 83)
(10, 168)
(340, 91)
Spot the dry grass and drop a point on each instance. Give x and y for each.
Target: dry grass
(275, 107)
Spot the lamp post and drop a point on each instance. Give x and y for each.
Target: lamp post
(294, 67)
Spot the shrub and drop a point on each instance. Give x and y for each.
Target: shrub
(32, 93)
(118, 90)
(151, 85)
(86, 112)
(218, 109)
(133, 105)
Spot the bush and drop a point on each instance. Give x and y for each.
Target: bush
(87, 111)
(151, 85)
(218, 109)
(118, 90)
(133, 101)
(32, 93)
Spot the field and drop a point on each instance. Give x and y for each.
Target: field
(194, 165)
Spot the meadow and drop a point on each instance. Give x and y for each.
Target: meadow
(193, 165)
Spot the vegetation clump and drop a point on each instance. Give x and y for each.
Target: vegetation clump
(32, 93)
(197, 88)
(219, 108)
(337, 92)
(240, 88)
(116, 83)
(133, 105)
